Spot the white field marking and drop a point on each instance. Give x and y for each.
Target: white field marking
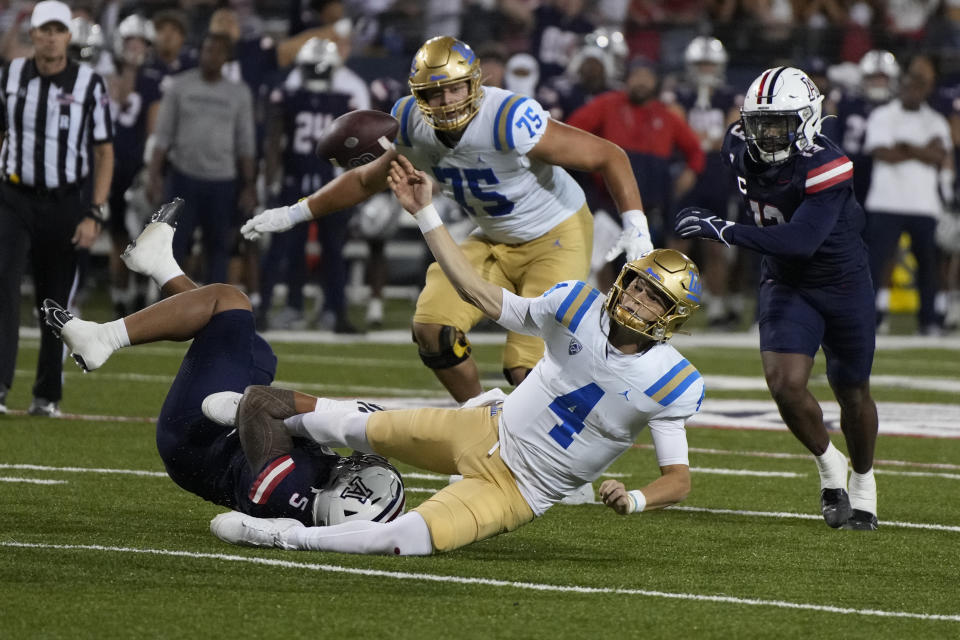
(490, 582)
(131, 472)
(747, 472)
(806, 516)
(807, 456)
(32, 480)
(919, 474)
(705, 339)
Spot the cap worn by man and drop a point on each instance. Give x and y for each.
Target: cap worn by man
(50, 11)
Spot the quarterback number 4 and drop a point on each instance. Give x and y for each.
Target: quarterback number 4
(572, 409)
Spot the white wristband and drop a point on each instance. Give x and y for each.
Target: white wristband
(428, 219)
(638, 501)
(300, 212)
(635, 218)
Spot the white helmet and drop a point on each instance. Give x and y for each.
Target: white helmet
(703, 50)
(780, 114)
(879, 63)
(317, 59)
(361, 487)
(86, 40)
(133, 26)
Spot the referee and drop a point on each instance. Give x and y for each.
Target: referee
(55, 120)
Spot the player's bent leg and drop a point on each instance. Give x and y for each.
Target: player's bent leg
(446, 350)
(151, 253)
(787, 375)
(89, 343)
(182, 316)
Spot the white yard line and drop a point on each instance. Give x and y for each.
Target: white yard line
(807, 516)
(491, 582)
(32, 480)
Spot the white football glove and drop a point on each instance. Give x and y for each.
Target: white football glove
(635, 238)
(276, 220)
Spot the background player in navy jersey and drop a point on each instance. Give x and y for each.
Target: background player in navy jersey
(815, 288)
(709, 107)
(257, 467)
(135, 101)
(300, 109)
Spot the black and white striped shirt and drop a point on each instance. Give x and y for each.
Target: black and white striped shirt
(50, 123)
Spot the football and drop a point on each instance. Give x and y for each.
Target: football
(357, 137)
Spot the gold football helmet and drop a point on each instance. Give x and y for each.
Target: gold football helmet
(443, 61)
(673, 275)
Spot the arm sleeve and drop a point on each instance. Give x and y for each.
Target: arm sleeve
(802, 236)
(244, 125)
(101, 120)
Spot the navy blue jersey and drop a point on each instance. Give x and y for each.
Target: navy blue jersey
(554, 39)
(305, 115)
(130, 124)
(255, 63)
(206, 458)
(808, 222)
(707, 115)
(852, 114)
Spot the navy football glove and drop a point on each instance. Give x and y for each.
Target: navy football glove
(694, 222)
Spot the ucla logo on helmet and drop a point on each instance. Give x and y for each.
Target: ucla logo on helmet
(694, 286)
(464, 51)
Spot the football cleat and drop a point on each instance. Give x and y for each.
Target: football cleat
(861, 520)
(152, 251)
(82, 338)
(44, 407)
(221, 407)
(835, 506)
(240, 529)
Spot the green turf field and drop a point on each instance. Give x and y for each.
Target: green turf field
(96, 542)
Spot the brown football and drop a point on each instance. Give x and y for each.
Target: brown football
(357, 137)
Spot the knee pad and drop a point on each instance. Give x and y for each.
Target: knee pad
(454, 349)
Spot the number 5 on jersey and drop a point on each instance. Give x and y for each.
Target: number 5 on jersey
(572, 409)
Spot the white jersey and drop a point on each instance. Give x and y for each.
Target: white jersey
(585, 402)
(512, 198)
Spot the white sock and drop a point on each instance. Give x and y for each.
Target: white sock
(408, 535)
(832, 466)
(333, 428)
(883, 300)
(166, 272)
(863, 491)
(115, 334)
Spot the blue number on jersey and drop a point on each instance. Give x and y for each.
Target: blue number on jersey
(530, 120)
(500, 206)
(572, 409)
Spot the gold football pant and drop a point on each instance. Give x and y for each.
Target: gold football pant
(486, 502)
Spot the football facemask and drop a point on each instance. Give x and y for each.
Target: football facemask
(672, 277)
(793, 103)
(441, 62)
(361, 487)
(317, 59)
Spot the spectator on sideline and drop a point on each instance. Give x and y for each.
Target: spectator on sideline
(910, 144)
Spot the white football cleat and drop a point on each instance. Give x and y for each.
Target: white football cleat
(581, 495)
(84, 339)
(151, 254)
(221, 407)
(247, 531)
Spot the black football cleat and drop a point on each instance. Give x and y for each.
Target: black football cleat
(168, 212)
(835, 506)
(55, 316)
(861, 520)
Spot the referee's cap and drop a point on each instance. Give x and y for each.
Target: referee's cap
(50, 11)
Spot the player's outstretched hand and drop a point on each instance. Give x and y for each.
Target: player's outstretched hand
(694, 222)
(275, 220)
(614, 495)
(634, 240)
(412, 187)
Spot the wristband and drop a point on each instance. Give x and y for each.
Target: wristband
(638, 501)
(428, 219)
(300, 212)
(99, 213)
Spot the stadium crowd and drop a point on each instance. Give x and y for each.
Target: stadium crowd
(661, 79)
